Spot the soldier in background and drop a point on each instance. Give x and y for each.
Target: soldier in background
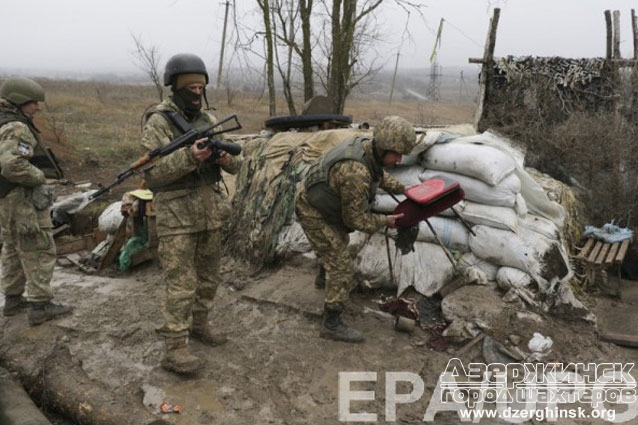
(28, 173)
(334, 200)
(191, 207)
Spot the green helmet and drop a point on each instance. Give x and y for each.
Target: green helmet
(20, 90)
(394, 133)
(183, 63)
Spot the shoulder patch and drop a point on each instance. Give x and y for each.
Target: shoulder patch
(24, 149)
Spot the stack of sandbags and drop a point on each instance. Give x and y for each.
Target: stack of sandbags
(516, 239)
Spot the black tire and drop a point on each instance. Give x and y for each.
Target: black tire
(283, 123)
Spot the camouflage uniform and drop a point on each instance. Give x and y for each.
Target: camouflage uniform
(191, 207)
(28, 249)
(355, 187)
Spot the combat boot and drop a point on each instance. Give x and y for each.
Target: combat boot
(41, 312)
(179, 359)
(334, 328)
(13, 304)
(320, 280)
(204, 332)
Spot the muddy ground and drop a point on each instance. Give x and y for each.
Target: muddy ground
(275, 369)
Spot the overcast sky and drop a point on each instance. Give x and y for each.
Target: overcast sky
(89, 35)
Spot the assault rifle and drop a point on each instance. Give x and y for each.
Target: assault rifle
(185, 139)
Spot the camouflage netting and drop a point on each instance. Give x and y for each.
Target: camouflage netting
(546, 89)
(577, 120)
(264, 200)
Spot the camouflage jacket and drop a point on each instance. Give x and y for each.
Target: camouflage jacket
(355, 187)
(18, 142)
(187, 196)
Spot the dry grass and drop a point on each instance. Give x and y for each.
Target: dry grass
(94, 127)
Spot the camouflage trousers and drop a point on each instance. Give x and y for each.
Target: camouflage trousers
(27, 262)
(190, 266)
(330, 243)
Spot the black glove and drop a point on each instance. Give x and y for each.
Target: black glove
(405, 238)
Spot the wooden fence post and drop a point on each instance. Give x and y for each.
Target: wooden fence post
(487, 69)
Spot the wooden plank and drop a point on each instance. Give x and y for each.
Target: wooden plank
(602, 253)
(622, 252)
(82, 243)
(584, 251)
(594, 252)
(612, 253)
(141, 256)
(114, 248)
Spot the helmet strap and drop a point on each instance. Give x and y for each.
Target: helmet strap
(378, 154)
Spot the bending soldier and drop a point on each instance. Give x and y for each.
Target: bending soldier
(334, 200)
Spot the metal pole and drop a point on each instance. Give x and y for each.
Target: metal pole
(221, 54)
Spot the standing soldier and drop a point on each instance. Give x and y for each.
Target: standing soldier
(334, 200)
(191, 208)
(28, 173)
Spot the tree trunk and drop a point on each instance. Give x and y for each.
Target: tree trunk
(270, 59)
(305, 9)
(54, 380)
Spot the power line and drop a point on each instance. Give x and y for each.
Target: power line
(463, 34)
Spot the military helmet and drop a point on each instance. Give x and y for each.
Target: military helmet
(183, 63)
(20, 90)
(394, 133)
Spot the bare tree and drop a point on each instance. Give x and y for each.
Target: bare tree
(329, 45)
(147, 59)
(264, 5)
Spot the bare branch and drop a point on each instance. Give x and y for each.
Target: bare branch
(147, 59)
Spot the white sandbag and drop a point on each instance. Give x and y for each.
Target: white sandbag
(385, 203)
(489, 215)
(540, 257)
(424, 141)
(408, 175)
(292, 239)
(535, 197)
(487, 138)
(552, 256)
(357, 241)
(452, 233)
(450, 211)
(485, 163)
(503, 194)
(520, 206)
(502, 247)
(541, 225)
(427, 268)
(371, 263)
(111, 218)
(537, 200)
(476, 270)
(509, 277)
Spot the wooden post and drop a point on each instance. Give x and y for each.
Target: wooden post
(616, 34)
(634, 70)
(634, 29)
(609, 34)
(487, 69)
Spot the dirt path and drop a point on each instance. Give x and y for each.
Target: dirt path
(275, 369)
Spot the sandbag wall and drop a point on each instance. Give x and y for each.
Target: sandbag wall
(516, 242)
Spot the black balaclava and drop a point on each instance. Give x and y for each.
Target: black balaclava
(184, 98)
